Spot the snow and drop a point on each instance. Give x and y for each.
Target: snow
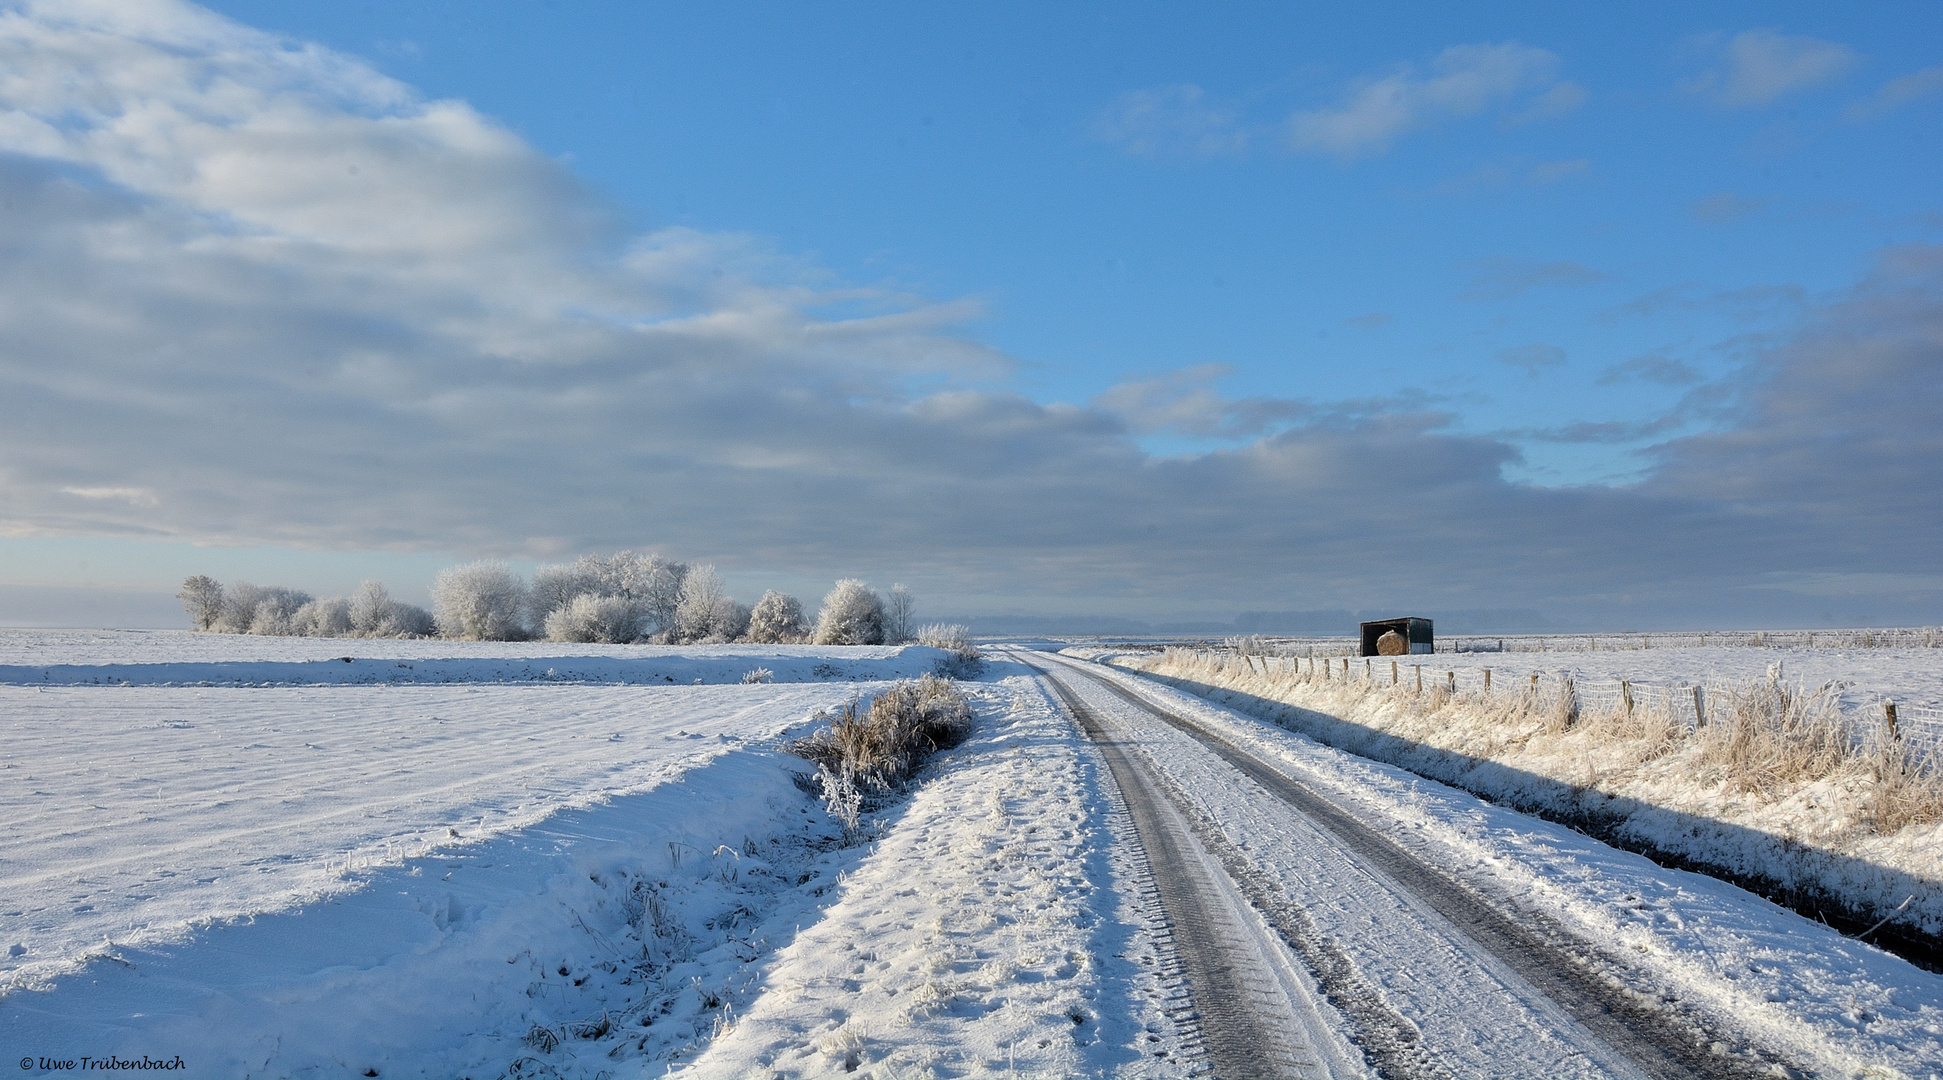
(984, 935)
(486, 872)
(184, 658)
(1840, 1007)
(1808, 835)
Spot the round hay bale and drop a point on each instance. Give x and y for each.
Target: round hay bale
(1392, 644)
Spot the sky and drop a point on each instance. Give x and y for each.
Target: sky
(1625, 317)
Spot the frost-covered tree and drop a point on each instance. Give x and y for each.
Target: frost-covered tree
(411, 620)
(650, 584)
(371, 610)
(329, 617)
(899, 610)
(259, 609)
(851, 615)
(481, 601)
(590, 617)
(696, 612)
(730, 623)
(777, 618)
(202, 598)
(553, 588)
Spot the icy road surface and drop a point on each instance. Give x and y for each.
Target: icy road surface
(1759, 990)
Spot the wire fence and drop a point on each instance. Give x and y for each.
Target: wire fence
(1893, 637)
(1686, 703)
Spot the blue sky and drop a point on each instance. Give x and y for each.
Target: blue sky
(1584, 259)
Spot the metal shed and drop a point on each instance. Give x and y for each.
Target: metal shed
(1415, 631)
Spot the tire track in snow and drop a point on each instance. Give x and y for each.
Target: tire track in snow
(1568, 971)
(1251, 1016)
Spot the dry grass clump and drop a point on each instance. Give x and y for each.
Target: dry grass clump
(1908, 788)
(1763, 742)
(877, 744)
(1770, 739)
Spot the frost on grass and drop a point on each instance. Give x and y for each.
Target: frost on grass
(1776, 788)
(965, 661)
(877, 743)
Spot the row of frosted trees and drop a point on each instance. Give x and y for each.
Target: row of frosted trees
(625, 597)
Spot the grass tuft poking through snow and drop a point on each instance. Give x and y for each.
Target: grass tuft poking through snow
(876, 743)
(1777, 787)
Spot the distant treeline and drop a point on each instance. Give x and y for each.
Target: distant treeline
(620, 598)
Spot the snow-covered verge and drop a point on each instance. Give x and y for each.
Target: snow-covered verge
(1825, 1004)
(994, 931)
(1643, 782)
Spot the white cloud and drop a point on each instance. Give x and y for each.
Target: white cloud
(215, 331)
(1170, 121)
(1898, 92)
(1757, 67)
(1185, 402)
(1464, 80)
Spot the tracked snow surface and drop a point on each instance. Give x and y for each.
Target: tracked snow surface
(498, 871)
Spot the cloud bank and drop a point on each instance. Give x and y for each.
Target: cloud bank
(254, 292)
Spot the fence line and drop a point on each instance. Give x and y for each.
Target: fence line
(1895, 637)
(1686, 703)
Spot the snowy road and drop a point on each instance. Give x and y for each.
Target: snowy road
(1423, 975)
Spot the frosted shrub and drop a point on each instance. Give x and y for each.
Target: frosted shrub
(375, 614)
(553, 588)
(259, 609)
(650, 584)
(965, 660)
(852, 615)
(606, 620)
(899, 609)
(777, 619)
(878, 744)
(323, 618)
(755, 676)
(413, 621)
(481, 601)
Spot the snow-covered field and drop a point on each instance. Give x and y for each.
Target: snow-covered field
(501, 872)
(541, 858)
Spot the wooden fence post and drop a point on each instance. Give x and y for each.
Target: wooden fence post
(1453, 680)
(1367, 677)
(1626, 696)
(1487, 680)
(1393, 673)
(1420, 677)
(1699, 707)
(1889, 712)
